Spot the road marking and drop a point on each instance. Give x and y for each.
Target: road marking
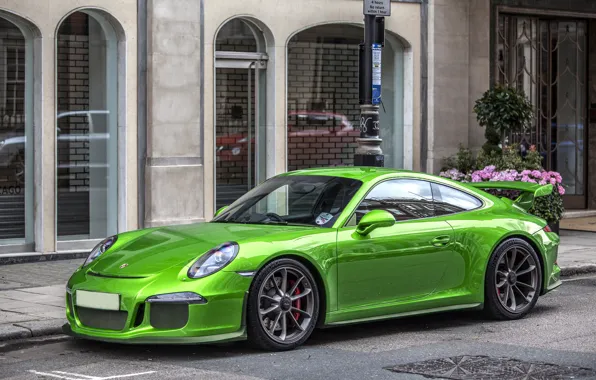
(77, 376)
(53, 375)
(132, 374)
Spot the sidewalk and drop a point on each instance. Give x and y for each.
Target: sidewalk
(32, 294)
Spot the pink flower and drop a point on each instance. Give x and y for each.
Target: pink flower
(561, 190)
(536, 173)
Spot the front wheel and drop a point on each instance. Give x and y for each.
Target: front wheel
(513, 280)
(283, 306)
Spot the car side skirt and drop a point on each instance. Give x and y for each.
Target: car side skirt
(408, 314)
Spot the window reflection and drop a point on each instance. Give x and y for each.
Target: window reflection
(86, 134)
(14, 162)
(404, 199)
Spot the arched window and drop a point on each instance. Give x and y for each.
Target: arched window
(16, 130)
(87, 127)
(323, 104)
(240, 103)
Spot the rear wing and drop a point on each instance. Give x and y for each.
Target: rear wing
(529, 191)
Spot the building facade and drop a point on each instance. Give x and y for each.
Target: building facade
(117, 115)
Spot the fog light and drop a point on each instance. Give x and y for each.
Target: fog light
(184, 297)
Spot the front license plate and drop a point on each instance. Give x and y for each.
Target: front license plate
(96, 300)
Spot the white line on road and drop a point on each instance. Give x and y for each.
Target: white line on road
(53, 375)
(132, 374)
(76, 376)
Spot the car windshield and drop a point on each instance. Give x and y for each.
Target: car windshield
(293, 200)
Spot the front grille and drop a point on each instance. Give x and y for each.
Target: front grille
(102, 319)
(168, 315)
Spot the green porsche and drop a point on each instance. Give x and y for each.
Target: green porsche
(319, 248)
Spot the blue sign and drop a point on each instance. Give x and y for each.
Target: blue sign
(376, 74)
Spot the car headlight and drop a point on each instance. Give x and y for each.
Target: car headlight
(214, 260)
(100, 249)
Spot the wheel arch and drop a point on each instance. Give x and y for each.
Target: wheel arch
(314, 269)
(532, 242)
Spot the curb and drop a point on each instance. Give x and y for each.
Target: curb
(33, 329)
(577, 270)
(23, 259)
(19, 344)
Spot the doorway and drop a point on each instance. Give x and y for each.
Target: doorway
(240, 108)
(548, 59)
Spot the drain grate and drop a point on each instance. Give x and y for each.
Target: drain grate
(487, 368)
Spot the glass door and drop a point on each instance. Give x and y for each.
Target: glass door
(239, 128)
(547, 58)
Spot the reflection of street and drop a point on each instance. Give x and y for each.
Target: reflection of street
(404, 209)
(78, 133)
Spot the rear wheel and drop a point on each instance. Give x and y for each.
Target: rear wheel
(283, 306)
(513, 280)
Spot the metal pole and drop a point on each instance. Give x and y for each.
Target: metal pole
(368, 152)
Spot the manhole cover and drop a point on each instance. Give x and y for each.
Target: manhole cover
(487, 368)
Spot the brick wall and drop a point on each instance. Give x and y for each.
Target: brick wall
(12, 102)
(73, 95)
(12, 125)
(73, 138)
(322, 77)
(232, 110)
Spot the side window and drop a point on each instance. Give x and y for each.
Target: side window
(404, 198)
(449, 200)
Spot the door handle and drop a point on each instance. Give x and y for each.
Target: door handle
(440, 241)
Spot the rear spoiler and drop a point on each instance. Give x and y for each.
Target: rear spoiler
(529, 191)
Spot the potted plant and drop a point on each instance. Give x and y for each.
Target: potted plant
(502, 110)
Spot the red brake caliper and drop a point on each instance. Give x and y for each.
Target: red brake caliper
(296, 303)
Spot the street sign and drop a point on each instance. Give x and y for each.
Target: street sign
(379, 8)
(376, 74)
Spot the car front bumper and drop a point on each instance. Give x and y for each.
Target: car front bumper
(220, 318)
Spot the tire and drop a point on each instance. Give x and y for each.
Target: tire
(300, 315)
(501, 303)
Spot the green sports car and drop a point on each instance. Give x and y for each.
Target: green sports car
(319, 247)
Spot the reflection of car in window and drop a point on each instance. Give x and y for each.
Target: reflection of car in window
(12, 145)
(300, 124)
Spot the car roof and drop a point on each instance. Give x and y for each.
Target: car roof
(364, 174)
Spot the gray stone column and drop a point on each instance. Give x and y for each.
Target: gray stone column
(174, 166)
(448, 79)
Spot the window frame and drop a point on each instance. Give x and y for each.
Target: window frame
(461, 191)
(431, 182)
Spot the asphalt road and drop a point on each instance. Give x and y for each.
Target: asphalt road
(561, 331)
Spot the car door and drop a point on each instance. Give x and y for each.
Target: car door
(406, 261)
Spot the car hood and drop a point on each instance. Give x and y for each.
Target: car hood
(163, 248)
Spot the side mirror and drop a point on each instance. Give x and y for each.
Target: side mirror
(220, 210)
(373, 220)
